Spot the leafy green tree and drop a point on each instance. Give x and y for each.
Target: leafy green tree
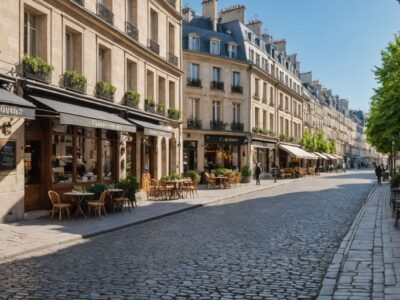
(309, 141)
(331, 146)
(383, 123)
(320, 141)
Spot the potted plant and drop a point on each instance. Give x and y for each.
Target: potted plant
(246, 173)
(75, 81)
(132, 98)
(194, 175)
(130, 185)
(161, 109)
(36, 68)
(97, 189)
(105, 90)
(174, 113)
(149, 105)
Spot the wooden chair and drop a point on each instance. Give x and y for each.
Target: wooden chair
(210, 180)
(238, 178)
(230, 181)
(165, 191)
(58, 205)
(120, 202)
(153, 189)
(98, 205)
(190, 188)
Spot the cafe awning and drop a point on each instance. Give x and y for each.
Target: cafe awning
(72, 114)
(298, 152)
(153, 129)
(12, 105)
(330, 156)
(337, 156)
(320, 155)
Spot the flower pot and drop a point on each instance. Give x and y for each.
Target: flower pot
(246, 179)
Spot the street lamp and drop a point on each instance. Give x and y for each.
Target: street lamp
(393, 157)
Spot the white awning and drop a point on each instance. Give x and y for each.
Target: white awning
(298, 152)
(337, 156)
(330, 156)
(320, 155)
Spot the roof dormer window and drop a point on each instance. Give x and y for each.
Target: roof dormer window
(194, 42)
(257, 42)
(215, 47)
(232, 50)
(249, 36)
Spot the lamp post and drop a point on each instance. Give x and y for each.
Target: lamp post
(393, 157)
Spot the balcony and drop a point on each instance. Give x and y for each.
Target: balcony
(104, 13)
(237, 89)
(80, 2)
(217, 125)
(172, 59)
(131, 31)
(194, 82)
(236, 126)
(154, 47)
(217, 85)
(194, 124)
(150, 108)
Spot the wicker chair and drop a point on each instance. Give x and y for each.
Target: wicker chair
(98, 205)
(153, 189)
(238, 178)
(58, 206)
(210, 180)
(120, 202)
(190, 188)
(164, 190)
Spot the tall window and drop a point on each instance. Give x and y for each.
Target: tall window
(216, 111)
(104, 64)
(215, 47)
(271, 122)
(73, 50)
(264, 119)
(287, 127)
(281, 100)
(154, 26)
(286, 103)
(194, 71)
(236, 113)
(131, 76)
(256, 117)
(69, 55)
(257, 87)
(132, 12)
(271, 95)
(194, 43)
(232, 51)
(171, 39)
(236, 78)
(216, 74)
(251, 55)
(172, 95)
(265, 89)
(258, 62)
(30, 34)
(195, 109)
(282, 130)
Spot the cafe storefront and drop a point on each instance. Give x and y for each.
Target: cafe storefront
(263, 152)
(67, 145)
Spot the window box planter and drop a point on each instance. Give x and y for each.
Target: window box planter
(132, 31)
(174, 114)
(217, 125)
(74, 81)
(161, 110)
(235, 126)
(105, 90)
(194, 124)
(37, 69)
(132, 99)
(150, 105)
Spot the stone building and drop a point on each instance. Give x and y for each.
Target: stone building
(121, 117)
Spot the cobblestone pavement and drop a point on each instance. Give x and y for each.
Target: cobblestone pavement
(367, 263)
(275, 244)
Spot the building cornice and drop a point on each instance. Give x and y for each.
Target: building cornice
(202, 55)
(172, 10)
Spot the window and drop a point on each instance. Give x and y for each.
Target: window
(73, 51)
(256, 117)
(216, 111)
(265, 91)
(154, 25)
(62, 154)
(232, 51)
(271, 95)
(282, 130)
(216, 74)
(258, 63)
(236, 78)
(104, 67)
(171, 39)
(286, 127)
(257, 88)
(249, 36)
(236, 113)
(265, 65)
(281, 100)
(287, 103)
(271, 122)
(86, 155)
(30, 34)
(194, 43)
(215, 47)
(295, 109)
(251, 55)
(194, 71)
(195, 109)
(172, 95)
(264, 119)
(108, 147)
(132, 12)
(150, 85)
(131, 76)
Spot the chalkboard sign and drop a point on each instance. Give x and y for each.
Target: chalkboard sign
(8, 152)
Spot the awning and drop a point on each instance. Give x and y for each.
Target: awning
(330, 156)
(72, 114)
(320, 155)
(298, 152)
(153, 129)
(337, 156)
(12, 105)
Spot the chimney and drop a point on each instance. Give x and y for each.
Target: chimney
(306, 77)
(267, 39)
(256, 27)
(280, 45)
(187, 14)
(210, 12)
(233, 13)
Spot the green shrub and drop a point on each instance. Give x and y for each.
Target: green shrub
(75, 78)
(150, 102)
(105, 87)
(133, 97)
(174, 113)
(222, 171)
(97, 189)
(130, 185)
(395, 180)
(37, 65)
(161, 107)
(246, 171)
(192, 174)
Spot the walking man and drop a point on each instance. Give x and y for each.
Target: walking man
(258, 172)
(378, 173)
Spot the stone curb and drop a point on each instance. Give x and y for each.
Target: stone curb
(331, 277)
(5, 258)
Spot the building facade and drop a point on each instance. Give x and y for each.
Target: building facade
(105, 79)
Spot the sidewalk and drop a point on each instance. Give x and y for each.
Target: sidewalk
(367, 263)
(25, 237)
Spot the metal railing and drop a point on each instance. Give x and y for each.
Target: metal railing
(154, 46)
(237, 89)
(80, 2)
(195, 82)
(236, 126)
(217, 85)
(104, 13)
(172, 59)
(131, 31)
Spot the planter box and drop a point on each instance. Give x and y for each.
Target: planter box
(246, 179)
(74, 87)
(105, 96)
(39, 76)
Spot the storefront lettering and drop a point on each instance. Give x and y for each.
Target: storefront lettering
(101, 124)
(11, 110)
(223, 139)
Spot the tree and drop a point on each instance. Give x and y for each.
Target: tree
(309, 141)
(320, 141)
(331, 146)
(383, 124)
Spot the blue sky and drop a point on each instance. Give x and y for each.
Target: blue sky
(338, 40)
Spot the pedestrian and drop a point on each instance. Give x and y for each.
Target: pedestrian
(378, 173)
(258, 172)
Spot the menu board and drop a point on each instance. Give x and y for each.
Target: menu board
(8, 152)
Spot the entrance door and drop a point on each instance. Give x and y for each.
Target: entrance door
(34, 179)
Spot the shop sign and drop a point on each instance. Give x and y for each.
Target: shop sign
(94, 123)
(15, 111)
(263, 144)
(8, 153)
(218, 139)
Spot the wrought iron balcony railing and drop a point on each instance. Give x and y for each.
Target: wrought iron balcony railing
(237, 89)
(154, 46)
(195, 82)
(104, 13)
(172, 59)
(236, 126)
(80, 2)
(217, 125)
(194, 124)
(132, 31)
(217, 85)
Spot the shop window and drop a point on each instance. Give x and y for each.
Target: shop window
(189, 155)
(62, 158)
(86, 155)
(108, 146)
(221, 156)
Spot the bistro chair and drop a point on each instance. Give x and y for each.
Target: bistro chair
(58, 206)
(153, 189)
(98, 205)
(190, 187)
(165, 191)
(210, 180)
(120, 202)
(238, 178)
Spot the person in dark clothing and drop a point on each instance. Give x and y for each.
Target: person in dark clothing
(257, 173)
(378, 173)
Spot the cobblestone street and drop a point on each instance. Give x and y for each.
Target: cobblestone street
(274, 244)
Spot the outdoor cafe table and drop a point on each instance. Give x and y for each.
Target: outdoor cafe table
(80, 197)
(221, 180)
(177, 186)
